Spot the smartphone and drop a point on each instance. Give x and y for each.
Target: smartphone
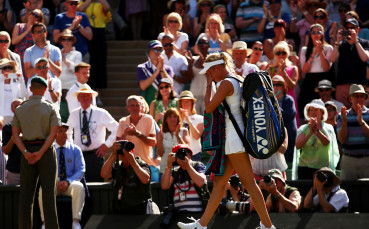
(345, 33)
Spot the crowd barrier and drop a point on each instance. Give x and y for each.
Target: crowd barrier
(102, 196)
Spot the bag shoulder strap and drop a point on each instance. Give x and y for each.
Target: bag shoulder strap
(237, 128)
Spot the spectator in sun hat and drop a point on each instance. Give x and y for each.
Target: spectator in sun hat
(350, 52)
(88, 125)
(325, 90)
(353, 133)
(165, 99)
(239, 54)
(326, 194)
(192, 121)
(150, 72)
(316, 141)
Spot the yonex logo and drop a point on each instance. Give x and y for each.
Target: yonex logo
(260, 123)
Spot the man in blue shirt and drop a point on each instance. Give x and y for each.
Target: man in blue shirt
(71, 169)
(41, 48)
(77, 22)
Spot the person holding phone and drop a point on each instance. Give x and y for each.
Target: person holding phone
(350, 51)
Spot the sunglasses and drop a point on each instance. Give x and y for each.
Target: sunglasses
(157, 50)
(281, 53)
(359, 96)
(7, 68)
(342, 10)
(42, 67)
(319, 17)
(38, 32)
(73, 3)
(331, 110)
(4, 41)
(203, 43)
(323, 89)
(67, 39)
(256, 49)
(349, 27)
(316, 32)
(168, 44)
(278, 85)
(205, 4)
(166, 87)
(36, 15)
(173, 21)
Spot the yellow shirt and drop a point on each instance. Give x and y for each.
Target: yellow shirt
(96, 15)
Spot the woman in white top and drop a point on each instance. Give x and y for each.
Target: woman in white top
(12, 86)
(173, 26)
(171, 134)
(5, 52)
(218, 67)
(70, 58)
(192, 121)
(214, 30)
(314, 59)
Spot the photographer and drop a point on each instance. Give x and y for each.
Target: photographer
(131, 178)
(282, 198)
(350, 52)
(187, 182)
(236, 199)
(326, 194)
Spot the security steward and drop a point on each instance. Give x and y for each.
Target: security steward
(35, 125)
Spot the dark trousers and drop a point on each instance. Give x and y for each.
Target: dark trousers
(306, 173)
(46, 170)
(98, 53)
(93, 166)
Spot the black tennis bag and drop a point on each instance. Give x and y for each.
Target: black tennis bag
(264, 127)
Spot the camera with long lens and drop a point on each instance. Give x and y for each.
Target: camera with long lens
(230, 206)
(322, 176)
(234, 180)
(124, 144)
(268, 180)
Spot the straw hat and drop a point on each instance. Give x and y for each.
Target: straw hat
(187, 95)
(6, 62)
(84, 88)
(240, 45)
(67, 33)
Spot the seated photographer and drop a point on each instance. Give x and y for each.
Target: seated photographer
(326, 194)
(235, 198)
(187, 182)
(282, 198)
(131, 179)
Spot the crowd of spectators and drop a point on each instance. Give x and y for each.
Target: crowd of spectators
(316, 52)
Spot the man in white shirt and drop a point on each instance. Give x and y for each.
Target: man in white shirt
(89, 124)
(239, 54)
(53, 92)
(181, 67)
(82, 71)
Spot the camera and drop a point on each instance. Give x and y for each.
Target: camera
(235, 181)
(345, 33)
(124, 144)
(182, 153)
(268, 180)
(322, 176)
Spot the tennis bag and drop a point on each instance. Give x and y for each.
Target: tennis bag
(264, 128)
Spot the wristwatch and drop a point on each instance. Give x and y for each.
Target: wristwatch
(25, 151)
(139, 134)
(51, 90)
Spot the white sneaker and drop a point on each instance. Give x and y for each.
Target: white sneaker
(264, 227)
(76, 225)
(193, 225)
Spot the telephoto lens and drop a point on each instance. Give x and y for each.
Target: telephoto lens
(241, 207)
(268, 180)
